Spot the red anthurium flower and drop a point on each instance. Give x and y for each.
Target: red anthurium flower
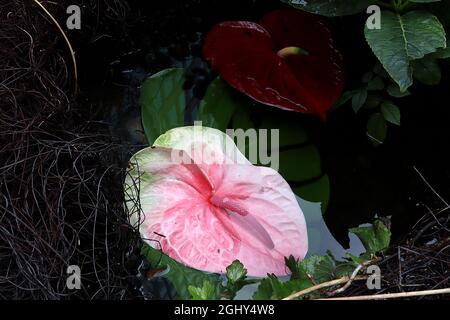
(287, 61)
(205, 205)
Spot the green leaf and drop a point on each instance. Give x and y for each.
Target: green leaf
(391, 113)
(299, 160)
(320, 268)
(241, 118)
(373, 100)
(317, 191)
(367, 77)
(427, 71)
(375, 84)
(394, 91)
(180, 275)
(402, 39)
(346, 96)
(300, 164)
(236, 279)
(207, 292)
(290, 132)
(375, 238)
(162, 103)
(236, 272)
(218, 105)
(272, 288)
(358, 99)
(377, 129)
(443, 53)
(331, 8)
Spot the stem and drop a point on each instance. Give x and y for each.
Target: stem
(395, 295)
(323, 286)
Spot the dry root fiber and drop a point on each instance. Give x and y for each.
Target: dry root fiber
(60, 173)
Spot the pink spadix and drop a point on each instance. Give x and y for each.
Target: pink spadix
(206, 214)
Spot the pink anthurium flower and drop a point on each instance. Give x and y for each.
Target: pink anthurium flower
(207, 205)
(288, 60)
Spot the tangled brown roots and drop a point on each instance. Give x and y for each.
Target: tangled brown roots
(61, 174)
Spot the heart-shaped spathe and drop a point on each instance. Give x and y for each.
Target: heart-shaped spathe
(205, 205)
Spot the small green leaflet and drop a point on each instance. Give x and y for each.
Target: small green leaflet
(375, 238)
(181, 276)
(391, 112)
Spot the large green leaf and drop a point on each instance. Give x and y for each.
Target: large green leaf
(181, 276)
(300, 164)
(317, 191)
(218, 105)
(162, 103)
(402, 39)
(331, 8)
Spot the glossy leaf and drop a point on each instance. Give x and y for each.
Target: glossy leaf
(317, 191)
(162, 103)
(218, 105)
(391, 113)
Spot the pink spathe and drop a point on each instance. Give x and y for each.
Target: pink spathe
(206, 213)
